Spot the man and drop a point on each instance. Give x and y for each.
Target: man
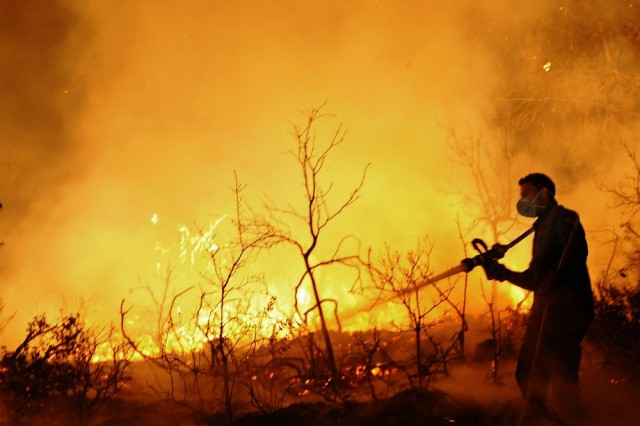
(562, 307)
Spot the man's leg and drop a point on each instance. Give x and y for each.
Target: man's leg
(532, 375)
(564, 380)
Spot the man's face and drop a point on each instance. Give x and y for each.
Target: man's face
(529, 192)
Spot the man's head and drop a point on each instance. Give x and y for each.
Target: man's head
(536, 192)
(539, 181)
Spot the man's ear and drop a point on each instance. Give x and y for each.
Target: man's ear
(546, 196)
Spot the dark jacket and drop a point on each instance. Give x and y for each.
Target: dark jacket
(558, 273)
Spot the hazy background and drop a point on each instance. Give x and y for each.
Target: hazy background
(113, 112)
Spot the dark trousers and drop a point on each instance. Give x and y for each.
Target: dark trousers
(551, 361)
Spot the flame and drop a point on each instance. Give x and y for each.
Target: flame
(190, 337)
(520, 297)
(194, 131)
(195, 330)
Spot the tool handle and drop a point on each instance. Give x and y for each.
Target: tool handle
(496, 252)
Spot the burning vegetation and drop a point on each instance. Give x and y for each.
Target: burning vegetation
(282, 313)
(223, 348)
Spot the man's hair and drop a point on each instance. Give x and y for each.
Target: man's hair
(540, 181)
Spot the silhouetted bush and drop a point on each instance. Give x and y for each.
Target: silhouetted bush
(57, 363)
(616, 328)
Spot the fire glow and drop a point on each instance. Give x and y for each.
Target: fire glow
(156, 119)
(193, 332)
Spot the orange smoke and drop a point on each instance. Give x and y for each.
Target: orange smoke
(143, 111)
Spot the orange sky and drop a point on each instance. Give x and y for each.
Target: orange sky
(149, 108)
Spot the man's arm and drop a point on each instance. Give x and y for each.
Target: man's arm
(497, 271)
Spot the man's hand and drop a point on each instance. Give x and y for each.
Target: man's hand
(494, 270)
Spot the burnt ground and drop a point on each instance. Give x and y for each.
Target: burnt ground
(407, 408)
(467, 397)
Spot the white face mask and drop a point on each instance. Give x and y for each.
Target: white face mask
(528, 208)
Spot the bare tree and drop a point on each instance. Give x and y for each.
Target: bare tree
(376, 362)
(398, 278)
(207, 347)
(491, 202)
(275, 380)
(625, 195)
(464, 326)
(368, 350)
(316, 216)
(250, 236)
(98, 378)
(494, 330)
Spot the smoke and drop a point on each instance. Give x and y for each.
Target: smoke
(40, 97)
(115, 113)
(569, 92)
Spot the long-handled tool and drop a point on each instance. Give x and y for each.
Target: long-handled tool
(497, 251)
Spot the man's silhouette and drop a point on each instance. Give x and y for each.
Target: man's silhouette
(562, 307)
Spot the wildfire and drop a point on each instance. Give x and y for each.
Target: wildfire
(191, 329)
